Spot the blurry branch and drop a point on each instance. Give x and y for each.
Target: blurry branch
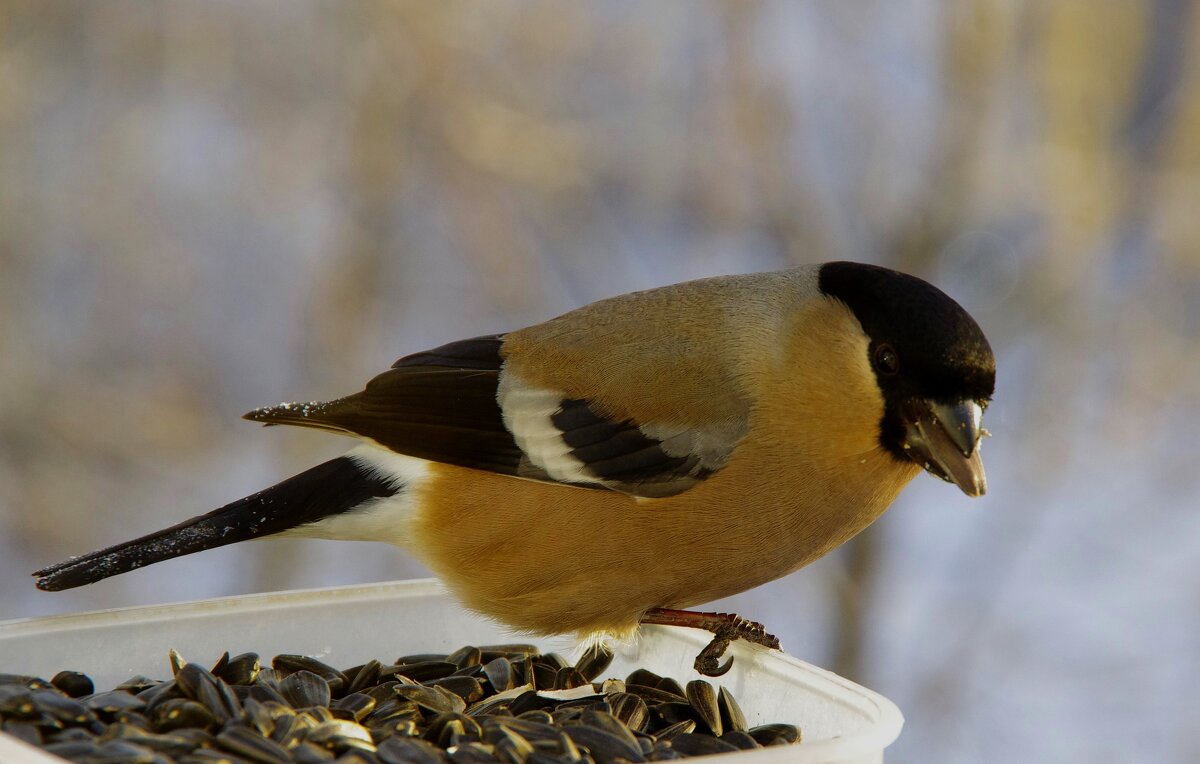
(766, 190)
(978, 46)
(342, 308)
(1088, 103)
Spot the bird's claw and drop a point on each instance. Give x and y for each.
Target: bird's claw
(708, 662)
(726, 627)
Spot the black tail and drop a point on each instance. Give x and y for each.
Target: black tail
(327, 489)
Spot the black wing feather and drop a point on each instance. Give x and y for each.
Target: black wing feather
(441, 405)
(622, 455)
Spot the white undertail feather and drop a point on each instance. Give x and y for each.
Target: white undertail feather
(380, 519)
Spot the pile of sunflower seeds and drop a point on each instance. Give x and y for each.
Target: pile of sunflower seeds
(500, 703)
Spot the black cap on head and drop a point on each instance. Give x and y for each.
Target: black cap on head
(924, 346)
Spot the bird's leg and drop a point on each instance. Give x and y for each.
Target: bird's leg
(725, 627)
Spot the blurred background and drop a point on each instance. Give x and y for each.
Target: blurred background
(209, 207)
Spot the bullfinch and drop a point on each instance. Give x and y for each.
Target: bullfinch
(635, 457)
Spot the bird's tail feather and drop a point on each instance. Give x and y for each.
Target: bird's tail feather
(334, 487)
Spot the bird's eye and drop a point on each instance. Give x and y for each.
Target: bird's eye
(886, 361)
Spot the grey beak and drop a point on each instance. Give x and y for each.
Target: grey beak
(944, 439)
(962, 421)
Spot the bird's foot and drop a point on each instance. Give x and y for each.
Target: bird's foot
(725, 627)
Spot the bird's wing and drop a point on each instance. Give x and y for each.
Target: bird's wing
(457, 404)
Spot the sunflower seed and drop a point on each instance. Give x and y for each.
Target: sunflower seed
(27, 732)
(364, 676)
(678, 728)
(398, 750)
(433, 699)
(303, 689)
(499, 673)
(732, 718)
(178, 713)
(356, 706)
(603, 746)
(465, 656)
(691, 744)
(73, 684)
(112, 702)
(608, 723)
(506, 704)
(240, 669)
(200, 685)
(631, 710)
(470, 690)
(422, 671)
(740, 739)
(595, 659)
(248, 744)
(703, 699)
(290, 664)
(775, 734)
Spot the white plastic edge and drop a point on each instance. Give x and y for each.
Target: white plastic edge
(861, 748)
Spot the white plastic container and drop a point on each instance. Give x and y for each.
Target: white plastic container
(345, 626)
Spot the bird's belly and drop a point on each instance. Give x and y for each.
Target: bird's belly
(547, 558)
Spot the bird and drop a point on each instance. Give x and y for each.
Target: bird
(636, 457)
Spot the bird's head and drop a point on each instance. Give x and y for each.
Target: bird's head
(934, 367)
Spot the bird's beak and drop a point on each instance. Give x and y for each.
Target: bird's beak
(944, 439)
